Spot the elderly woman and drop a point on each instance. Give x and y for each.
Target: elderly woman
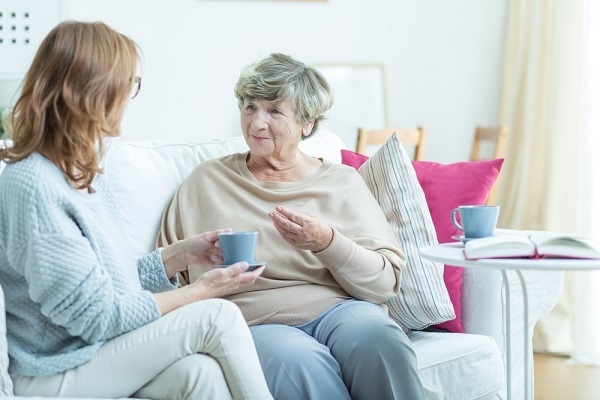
(84, 318)
(316, 313)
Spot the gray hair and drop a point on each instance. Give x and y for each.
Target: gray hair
(279, 77)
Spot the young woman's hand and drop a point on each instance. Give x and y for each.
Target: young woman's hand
(214, 283)
(222, 281)
(200, 249)
(204, 248)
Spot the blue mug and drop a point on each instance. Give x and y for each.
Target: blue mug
(238, 246)
(476, 221)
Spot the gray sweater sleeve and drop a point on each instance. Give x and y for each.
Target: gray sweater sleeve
(74, 291)
(152, 273)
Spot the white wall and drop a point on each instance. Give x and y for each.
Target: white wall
(443, 59)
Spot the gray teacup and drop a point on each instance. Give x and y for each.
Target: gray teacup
(238, 246)
(477, 221)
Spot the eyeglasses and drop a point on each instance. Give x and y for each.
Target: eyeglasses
(137, 85)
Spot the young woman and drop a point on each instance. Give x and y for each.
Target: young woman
(84, 318)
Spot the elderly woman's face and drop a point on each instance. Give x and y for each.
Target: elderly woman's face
(271, 128)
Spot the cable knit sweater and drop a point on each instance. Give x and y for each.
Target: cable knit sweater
(69, 278)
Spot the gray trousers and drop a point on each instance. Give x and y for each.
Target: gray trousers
(352, 351)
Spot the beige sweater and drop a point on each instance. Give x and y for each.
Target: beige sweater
(363, 261)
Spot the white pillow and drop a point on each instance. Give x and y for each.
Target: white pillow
(423, 299)
(6, 385)
(324, 144)
(144, 174)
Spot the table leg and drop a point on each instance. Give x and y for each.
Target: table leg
(507, 343)
(528, 387)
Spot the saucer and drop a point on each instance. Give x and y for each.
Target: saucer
(462, 238)
(252, 266)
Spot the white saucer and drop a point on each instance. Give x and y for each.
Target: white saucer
(252, 266)
(462, 238)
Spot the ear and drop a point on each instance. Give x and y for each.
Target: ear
(307, 128)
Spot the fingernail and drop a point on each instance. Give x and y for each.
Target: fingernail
(244, 265)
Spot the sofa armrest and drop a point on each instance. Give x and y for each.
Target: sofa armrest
(483, 309)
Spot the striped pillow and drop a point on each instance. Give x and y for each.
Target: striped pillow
(423, 299)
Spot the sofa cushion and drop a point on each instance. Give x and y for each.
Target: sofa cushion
(353, 159)
(144, 175)
(6, 386)
(458, 366)
(447, 186)
(423, 299)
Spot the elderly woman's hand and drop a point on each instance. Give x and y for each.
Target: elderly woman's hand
(301, 230)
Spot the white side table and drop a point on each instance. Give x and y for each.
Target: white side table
(452, 254)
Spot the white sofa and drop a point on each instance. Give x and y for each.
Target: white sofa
(144, 175)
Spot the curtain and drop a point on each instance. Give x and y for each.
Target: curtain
(584, 290)
(548, 181)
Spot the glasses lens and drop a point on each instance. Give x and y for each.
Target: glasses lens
(137, 84)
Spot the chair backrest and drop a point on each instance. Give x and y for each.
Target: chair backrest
(495, 135)
(414, 137)
(494, 139)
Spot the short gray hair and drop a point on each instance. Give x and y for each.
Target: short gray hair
(279, 77)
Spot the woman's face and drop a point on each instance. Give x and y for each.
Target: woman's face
(120, 112)
(271, 129)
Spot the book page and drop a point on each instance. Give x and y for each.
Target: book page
(500, 246)
(551, 244)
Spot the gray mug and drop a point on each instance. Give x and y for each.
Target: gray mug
(476, 221)
(238, 246)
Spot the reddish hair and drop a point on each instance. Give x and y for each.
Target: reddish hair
(73, 95)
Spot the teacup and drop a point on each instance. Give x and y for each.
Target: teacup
(477, 221)
(238, 246)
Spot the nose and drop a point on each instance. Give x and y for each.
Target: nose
(259, 120)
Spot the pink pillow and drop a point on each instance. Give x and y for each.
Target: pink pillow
(447, 186)
(353, 159)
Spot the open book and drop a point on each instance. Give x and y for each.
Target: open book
(535, 245)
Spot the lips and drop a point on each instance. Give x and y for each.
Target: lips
(260, 138)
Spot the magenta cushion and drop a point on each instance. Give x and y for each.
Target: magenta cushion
(447, 186)
(353, 159)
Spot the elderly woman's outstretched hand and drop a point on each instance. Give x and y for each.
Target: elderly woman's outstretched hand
(301, 230)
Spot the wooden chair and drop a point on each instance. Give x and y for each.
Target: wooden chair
(414, 137)
(495, 135)
(494, 139)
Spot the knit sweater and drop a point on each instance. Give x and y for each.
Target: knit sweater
(69, 278)
(363, 261)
